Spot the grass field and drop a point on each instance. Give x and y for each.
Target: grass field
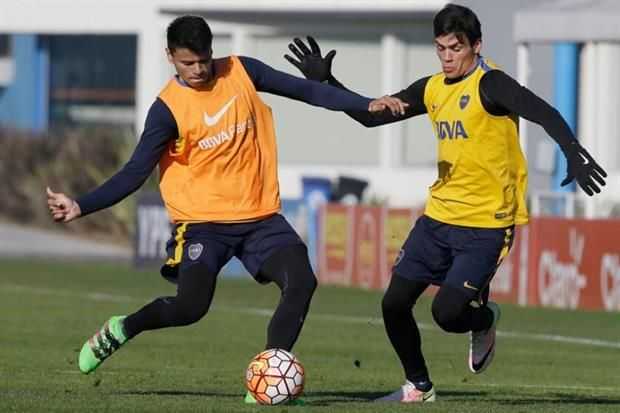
(547, 361)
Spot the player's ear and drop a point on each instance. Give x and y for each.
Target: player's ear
(477, 46)
(169, 55)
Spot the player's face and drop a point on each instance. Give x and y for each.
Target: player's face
(195, 69)
(456, 55)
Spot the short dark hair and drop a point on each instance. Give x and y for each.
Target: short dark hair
(459, 20)
(189, 32)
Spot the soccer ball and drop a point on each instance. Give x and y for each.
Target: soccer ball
(274, 376)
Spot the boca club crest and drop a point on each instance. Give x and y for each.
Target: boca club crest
(463, 101)
(194, 251)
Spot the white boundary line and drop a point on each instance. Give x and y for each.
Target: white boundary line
(423, 326)
(537, 386)
(266, 312)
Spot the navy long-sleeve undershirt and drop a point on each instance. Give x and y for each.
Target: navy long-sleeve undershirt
(160, 128)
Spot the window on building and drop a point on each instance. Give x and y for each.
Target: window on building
(92, 79)
(7, 67)
(5, 45)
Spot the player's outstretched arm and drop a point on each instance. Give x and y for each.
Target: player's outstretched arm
(160, 127)
(314, 66)
(583, 168)
(310, 61)
(500, 91)
(270, 80)
(61, 207)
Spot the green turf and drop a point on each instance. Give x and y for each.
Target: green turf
(49, 308)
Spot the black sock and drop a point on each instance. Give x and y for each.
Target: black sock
(481, 318)
(401, 327)
(194, 294)
(423, 385)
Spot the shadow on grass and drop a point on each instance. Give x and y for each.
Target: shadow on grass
(451, 396)
(320, 398)
(327, 398)
(330, 397)
(334, 397)
(324, 398)
(179, 393)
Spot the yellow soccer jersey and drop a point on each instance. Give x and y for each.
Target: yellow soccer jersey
(482, 173)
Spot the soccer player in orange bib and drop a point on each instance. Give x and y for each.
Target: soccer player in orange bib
(213, 138)
(478, 197)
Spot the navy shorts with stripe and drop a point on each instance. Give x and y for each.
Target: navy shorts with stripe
(463, 257)
(214, 244)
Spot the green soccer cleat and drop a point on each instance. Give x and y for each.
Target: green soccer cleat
(101, 346)
(249, 399)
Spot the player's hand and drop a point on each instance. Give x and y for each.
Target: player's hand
(394, 104)
(583, 168)
(311, 63)
(62, 208)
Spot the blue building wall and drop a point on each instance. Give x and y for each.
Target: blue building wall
(24, 102)
(565, 98)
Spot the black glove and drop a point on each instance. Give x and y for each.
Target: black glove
(311, 63)
(583, 168)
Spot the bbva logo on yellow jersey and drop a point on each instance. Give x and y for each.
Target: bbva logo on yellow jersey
(450, 129)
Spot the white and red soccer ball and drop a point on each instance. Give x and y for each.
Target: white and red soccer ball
(274, 376)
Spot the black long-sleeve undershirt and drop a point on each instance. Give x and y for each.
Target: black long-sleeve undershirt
(413, 95)
(160, 128)
(500, 94)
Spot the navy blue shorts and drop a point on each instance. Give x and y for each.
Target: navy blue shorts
(214, 244)
(463, 257)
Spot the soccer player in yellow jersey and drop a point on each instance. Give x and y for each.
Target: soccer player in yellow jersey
(214, 140)
(479, 195)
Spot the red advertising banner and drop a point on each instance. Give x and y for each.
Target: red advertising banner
(369, 247)
(574, 264)
(358, 244)
(397, 224)
(336, 244)
(554, 262)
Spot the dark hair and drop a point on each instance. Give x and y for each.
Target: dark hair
(459, 20)
(189, 32)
